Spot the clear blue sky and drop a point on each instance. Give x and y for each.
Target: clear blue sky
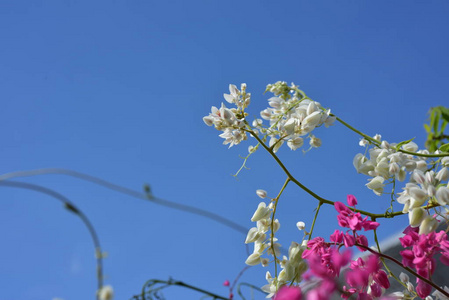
(118, 89)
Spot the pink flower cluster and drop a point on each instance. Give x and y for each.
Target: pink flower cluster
(364, 274)
(352, 220)
(421, 255)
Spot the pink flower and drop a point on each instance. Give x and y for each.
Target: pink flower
(288, 293)
(352, 201)
(226, 283)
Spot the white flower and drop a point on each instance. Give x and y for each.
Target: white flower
(442, 175)
(377, 185)
(416, 216)
(262, 212)
(442, 195)
(295, 143)
(252, 236)
(411, 147)
(253, 259)
(428, 225)
(106, 293)
(315, 142)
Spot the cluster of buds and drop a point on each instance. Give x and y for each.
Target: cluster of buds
(292, 117)
(292, 266)
(231, 120)
(427, 181)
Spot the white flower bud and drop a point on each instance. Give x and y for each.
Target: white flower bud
(418, 176)
(262, 212)
(393, 168)
(418, 195)
(377, 137)
(430, 176)
(106, 293)
(421, 165)
(261, 193)
(416, 216)
(276, 226)
(253, 259)
(445, 161)
(411, 147)
(428, 225)
(257, 123)
(431, 191)
(301, 225)
(410, 287)
(410, 166)
(363, 143)
(295, 143)
(376, 184)
(442, 195)
(252, 236)
(311, 108)
(401, 175)
(404, 277)
(442, 175)
(312, 120)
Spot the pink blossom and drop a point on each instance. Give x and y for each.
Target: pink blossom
(288, 293)
(352, 201)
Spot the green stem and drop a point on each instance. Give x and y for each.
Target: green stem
(314, 219)
(377, 143)
(367, 137)
(272, 223)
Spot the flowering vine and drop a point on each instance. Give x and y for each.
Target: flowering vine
(291, 119)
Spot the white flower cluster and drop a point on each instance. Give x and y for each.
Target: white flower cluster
(426, 182)
(291, 115)
(231, 121)
(292, 267)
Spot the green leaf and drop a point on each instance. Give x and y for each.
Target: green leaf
(427, 128)
(398, 146)
(444, 148)
(444, 113)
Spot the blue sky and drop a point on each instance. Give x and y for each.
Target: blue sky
(118, 89)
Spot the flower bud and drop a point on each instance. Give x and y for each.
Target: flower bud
(262, 212)
(252, 236)
(106, 293)
(376, 184)
(301, 225)
(411, 147)
(418, 176)
(428, 225)
(416, 216)
(261, 193)
(442, 195)
(442, 175)
(253, 259)
(276, 226)
(401, 175)
(404, 277)
(393, 168)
